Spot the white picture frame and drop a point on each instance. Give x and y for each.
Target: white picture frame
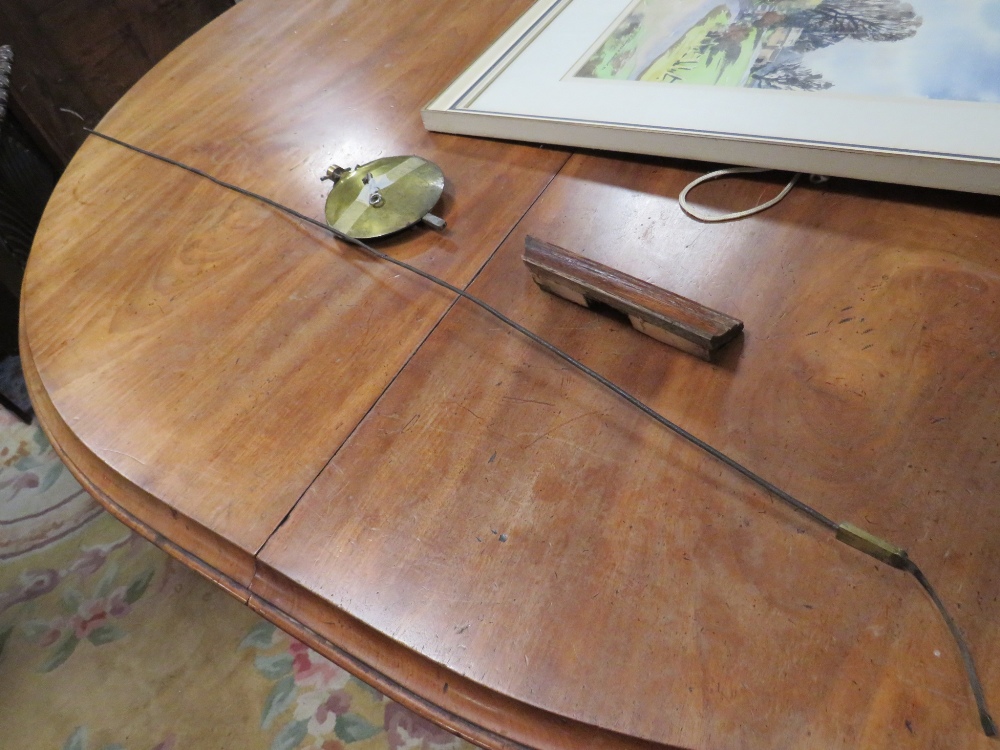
(524, 88)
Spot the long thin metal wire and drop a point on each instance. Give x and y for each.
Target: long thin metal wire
(711, 450)
(984, 716)
(989, 727)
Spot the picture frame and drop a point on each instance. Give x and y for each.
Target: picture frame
(938, 127)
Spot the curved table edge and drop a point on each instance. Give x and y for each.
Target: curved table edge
(488, 719)
(473, 711)
(230, 567)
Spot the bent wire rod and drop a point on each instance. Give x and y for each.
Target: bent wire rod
(845, 532)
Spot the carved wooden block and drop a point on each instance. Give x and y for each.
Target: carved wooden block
(667, 317)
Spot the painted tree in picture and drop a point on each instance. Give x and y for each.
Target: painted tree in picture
(947, 49)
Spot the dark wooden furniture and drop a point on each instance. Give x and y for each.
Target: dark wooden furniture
(77, 57)
(447, 510)
(6, 61)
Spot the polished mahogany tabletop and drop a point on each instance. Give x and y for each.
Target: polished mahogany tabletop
(454, 514)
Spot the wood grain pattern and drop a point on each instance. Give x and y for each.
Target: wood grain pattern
(452, 513)
(640, 587)
(141, 511)
(339, 84)
(667, 317)
(209, 350)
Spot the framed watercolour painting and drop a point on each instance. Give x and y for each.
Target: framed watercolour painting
(905, 92)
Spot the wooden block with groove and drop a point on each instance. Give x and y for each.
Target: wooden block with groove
(667, 317)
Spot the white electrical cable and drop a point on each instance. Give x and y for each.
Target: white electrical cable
(696, 214)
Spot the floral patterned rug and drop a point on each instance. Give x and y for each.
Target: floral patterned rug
(106, 643)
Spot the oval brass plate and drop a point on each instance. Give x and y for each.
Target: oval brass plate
(383, 196)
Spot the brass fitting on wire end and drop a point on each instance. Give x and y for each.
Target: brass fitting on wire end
(873, 546)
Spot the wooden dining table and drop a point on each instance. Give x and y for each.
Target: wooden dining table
(453, 513)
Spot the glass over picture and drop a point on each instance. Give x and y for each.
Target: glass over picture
(938, 49)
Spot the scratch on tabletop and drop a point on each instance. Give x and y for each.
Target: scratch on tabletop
(528, 401)
(120, 453)
(944, 696)
(467, 409)
(694, 239)
(366, 336)
(559, 426)
(580, 448)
